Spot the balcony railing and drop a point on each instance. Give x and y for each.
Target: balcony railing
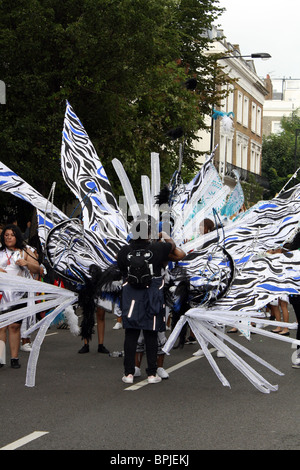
(245, 175)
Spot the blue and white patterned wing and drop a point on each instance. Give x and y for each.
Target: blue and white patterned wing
(195, 188)
(48, 215)
(86, 177)
(262, 227)
(235, 201)
(202, 195)
(259, 277)
(70, 251)
(261, 280)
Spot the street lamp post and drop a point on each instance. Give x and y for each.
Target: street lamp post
(255, 55)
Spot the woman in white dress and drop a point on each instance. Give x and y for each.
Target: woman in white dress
(17, 260)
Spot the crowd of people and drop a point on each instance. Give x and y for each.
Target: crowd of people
(143, 313)
(19, 258)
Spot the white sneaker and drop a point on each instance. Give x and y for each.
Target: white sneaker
(154, 379)
(26, 347)
(137, 372)
(198, 353)
(128, 379)
(220, 354)
(117, 326)
(162, 373)
(296, 362)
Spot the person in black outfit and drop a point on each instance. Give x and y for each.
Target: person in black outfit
(143, 306)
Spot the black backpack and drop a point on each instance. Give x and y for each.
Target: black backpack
(140, 271)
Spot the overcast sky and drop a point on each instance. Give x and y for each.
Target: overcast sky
(265, 26)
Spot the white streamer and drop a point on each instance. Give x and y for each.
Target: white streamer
(127, 188)
(147, 197)
(53, 300)
(36, 346)
(155, 183)
(205, 324)
(258, 381)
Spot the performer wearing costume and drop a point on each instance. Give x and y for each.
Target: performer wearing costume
(143, 304)
(15, 260)
(225, 278)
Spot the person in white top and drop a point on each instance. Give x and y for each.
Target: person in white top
(17, 260)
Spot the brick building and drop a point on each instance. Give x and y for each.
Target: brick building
(242, 148)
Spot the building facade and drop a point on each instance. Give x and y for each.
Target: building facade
(283, 100)
(240, 148)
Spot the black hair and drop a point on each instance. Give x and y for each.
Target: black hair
(17, 233)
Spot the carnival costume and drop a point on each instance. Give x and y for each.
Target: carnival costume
(225, 279)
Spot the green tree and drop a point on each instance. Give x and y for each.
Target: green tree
(122, 64)
(253, 192)
(278, 155)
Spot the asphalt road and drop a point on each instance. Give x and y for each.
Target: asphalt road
(80, 403)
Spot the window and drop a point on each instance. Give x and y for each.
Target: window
(242, 150)
(258, 164)
(245, 158)
(223, 104)
(246, 111)
(259, 118)
(253, 161)
(240, 107)
(238, 162)
(253, 118)
(230, 99)
(229, 150)
(255, 164)
(276, 127)
(225, 154)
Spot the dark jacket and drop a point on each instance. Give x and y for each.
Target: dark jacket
(144, 308)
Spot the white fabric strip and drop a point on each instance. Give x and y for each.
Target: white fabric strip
(34, 354)
(127, 188)
(155, 183)
(147, 197)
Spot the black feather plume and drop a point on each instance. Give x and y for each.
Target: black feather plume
(164, 196)
(109, 287)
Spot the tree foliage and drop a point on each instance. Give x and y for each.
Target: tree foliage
(253, 191)
(122, 65)
(279, 160)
